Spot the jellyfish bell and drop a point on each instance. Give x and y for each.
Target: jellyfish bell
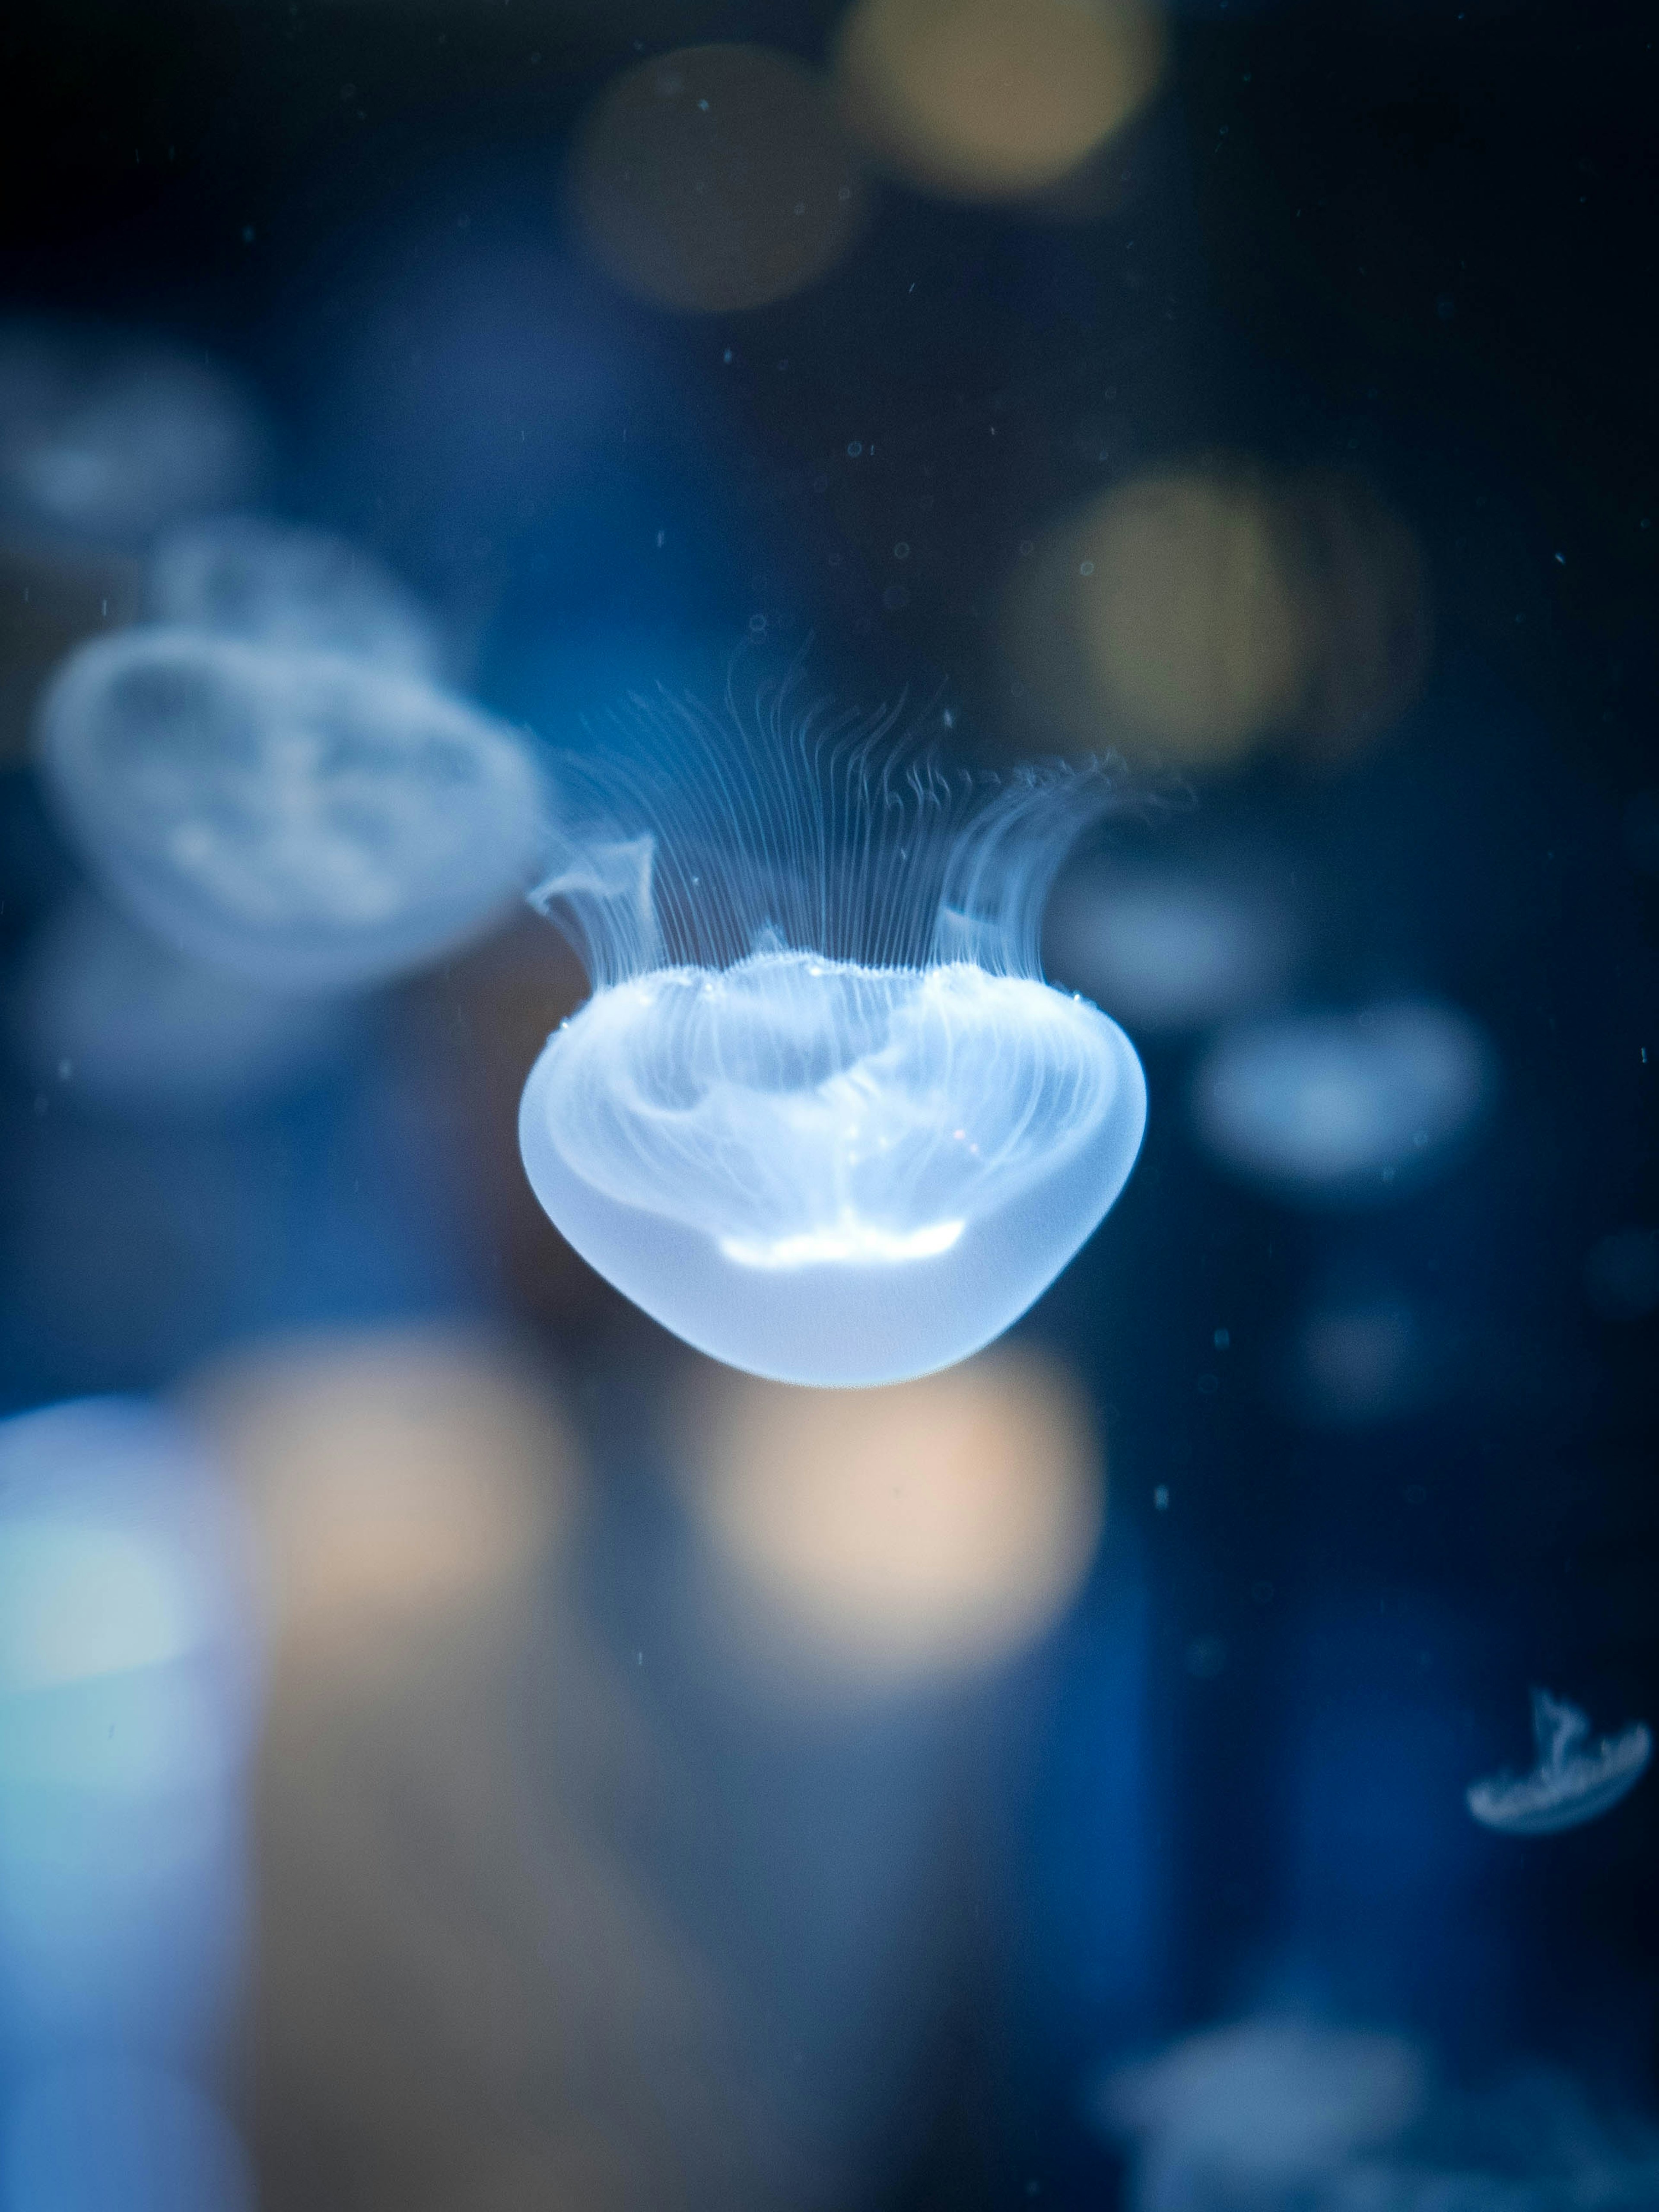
(822, 1116)
(1345, 1108)
(313, 822)
(1574, 1780)
(279, 584)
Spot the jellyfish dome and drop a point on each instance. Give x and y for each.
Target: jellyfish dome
(1344, 1109)
(822, 1116)
(1574, 1780)
(108, 436)
(279, 584)
(314, 823)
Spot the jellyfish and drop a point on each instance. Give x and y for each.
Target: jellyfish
(278, 584)
(1570, 1783)
(822, 1116)
(313, 822)
(1345, 1108)
(108, 436)
(1168, 949)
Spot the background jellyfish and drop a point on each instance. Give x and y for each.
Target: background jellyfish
(1344, 1107)
(1573, 1781)
(822, 1116)
(107, 436)
(280, 584)
(314, 822)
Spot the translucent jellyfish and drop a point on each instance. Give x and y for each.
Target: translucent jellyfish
(822, 1116)
(1167, 951)
(1261, 2112)
(108, 1016)
(278, 584)
(313, 822)
(106, 436)
(1344, 1107)
(1573, 1781)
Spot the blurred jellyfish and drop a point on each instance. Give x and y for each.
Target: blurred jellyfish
(276, 584)
(109, 437)
(1167, 951)
(1344, 1107)
(1252, 2117)
(822, 1116)
(1569, 1784)
(995, 100)
(311, 822)
(716, 177)
(108, 1015)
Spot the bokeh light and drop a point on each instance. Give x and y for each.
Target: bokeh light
(906, 1533)
(995, 100)
(391, 1475)
(716, 178)
(1191, 615)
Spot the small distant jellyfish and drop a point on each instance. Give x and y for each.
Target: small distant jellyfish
(1167, 951)
(108, 436)
(1574, 1780)
(281, 584)
(311, 822)
(822, 1116)
(1345, 1108)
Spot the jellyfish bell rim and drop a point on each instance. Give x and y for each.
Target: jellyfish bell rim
(832, 1321)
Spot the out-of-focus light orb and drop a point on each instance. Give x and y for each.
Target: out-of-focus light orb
(313, 823)
(1190, 617)
(1166, 951)
(108, 1016)
(107, 436)
(995, 100)
(1621, 1274)
(1345, 1108)
(1367, 583)
(392, 1475)
(110, 2135)
(827, 1173)
(277, 584)
(906, 1533)
(1259, 2112)
(716, 178)
(113, 1546)
(1574, 1780)
(1176, 604)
